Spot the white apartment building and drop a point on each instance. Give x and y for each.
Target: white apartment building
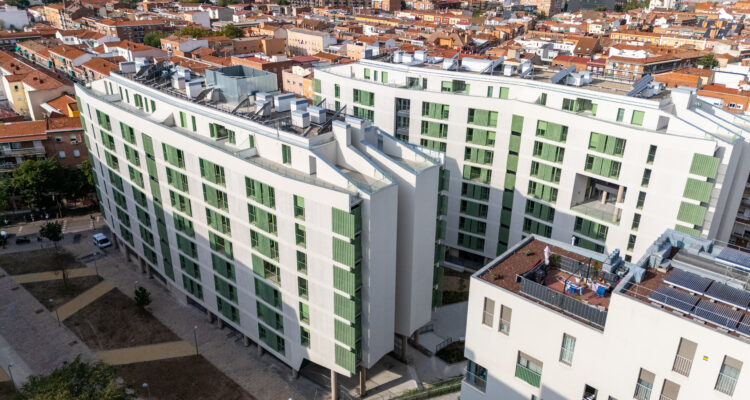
(673, 326)
(310, 235)
(563, 156)
(303, 42)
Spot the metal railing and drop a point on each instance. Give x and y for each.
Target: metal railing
(445, 343)
(564, 303)
(531, 377)
(23, 151)
(475, 380)
(682, 365)
(642, 392)
(664, 397)
(725, 384)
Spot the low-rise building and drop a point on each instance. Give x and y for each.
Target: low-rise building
(549, 320)
(302, 42)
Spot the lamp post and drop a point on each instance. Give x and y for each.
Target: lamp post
(10, 373)
(148, 389)
(52, 304)
(195, 337)
(135, 286)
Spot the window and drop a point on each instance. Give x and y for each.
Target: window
(286, 154)
(631, 242)
(299, 207)
(301, 262)
(76, 153)
(304, 312)
(58, 139)
(62, 154)
(505, 315)
(683, 360)
(641, 200)
(489, 91)
(620, 114)
(646, 177)
(529, 369)
(567, 349)
(476, 376)
(728, 375)
(636, 222)
(302, 287)
(651, 154)
(669, 391)
(304, 335)
(489, 310)
(644, 385)
(299, 232)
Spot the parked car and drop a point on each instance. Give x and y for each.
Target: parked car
(101, 241)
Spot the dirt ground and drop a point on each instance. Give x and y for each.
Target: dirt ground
(38, 261)
(113, 321)
(181, 378)
(455, 286)
(7, 391)
(43, 291)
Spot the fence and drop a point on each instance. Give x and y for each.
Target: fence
(565, 303)
(585, 270)
(451, 386)
(682, 365)
(642, 392)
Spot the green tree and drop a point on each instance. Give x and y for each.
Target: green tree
(36, 180)
(18, 3)
(634, 5)
(52, 231)
(541, 15)
(600, 8)
(4, 195)
(708, 61)
(195, 32)
(232, 31)
(77, 184)
(142, 298)
(87, 169)
(76, 381)
(224, 3)
(153, 39)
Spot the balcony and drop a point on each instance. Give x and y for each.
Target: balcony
(725, 384)
(682, 365)
(594, 208)
(528, 376)
(26, 151)
(642, 392)
(478, 382)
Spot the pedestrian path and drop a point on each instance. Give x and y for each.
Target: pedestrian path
(53, 275)
(82, 300)
(151, 352)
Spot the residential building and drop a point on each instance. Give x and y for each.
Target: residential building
(58, 138)
(27, 88)
(133, 31)
(302, 42)
(275, 64)
(387, 5)
(673, 325)
(315, 241)
(578, 160)
(12, 17)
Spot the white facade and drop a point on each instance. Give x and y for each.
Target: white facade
(663, 140)
(12, 17)
(639, 335)
(331, 279)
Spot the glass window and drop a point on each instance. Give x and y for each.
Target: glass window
(568, 347)
(489, 310)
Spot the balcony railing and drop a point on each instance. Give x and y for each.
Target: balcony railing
(682, 365)
(564, 303)
(528, 376)
(477, 381)
(26, 151)
(664, 397)
(725, 384)
(642, 392)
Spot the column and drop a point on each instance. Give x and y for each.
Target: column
(246, 341)
(210, 316)
(604, 197)
(334, 386)
(620, 193)
(362, 381)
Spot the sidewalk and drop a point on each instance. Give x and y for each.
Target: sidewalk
(263, 377)
(31, 339)
(151, 352)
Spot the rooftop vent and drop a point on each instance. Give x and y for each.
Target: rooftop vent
(299, 104)
(282, 102)
(317, 114)
(300, 118)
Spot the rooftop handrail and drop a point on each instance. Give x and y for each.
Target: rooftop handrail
(563, 302)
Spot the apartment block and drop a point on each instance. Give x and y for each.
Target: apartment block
(310, 234)
(303, 42)
(599, 163)
(673, 325)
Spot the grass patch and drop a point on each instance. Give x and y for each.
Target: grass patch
(452, 353)
(113, 321)
(181, 378)
(438, 389)
(452, 296)
(7, 391)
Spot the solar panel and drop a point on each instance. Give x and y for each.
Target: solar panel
(729, 295)
(674, 298)
(739, 258)
(718, 314)
(688, 281)
(744, 326)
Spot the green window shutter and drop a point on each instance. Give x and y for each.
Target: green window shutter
(637, 118)
(346, 359)
(692, 213)
(704, 165)
(344, 307)
(698, 190)
(512, 164)
(508, 199)
(343, 252)
(344, 280)
(345, 333)
(515, 143)
(504, 92)
(510, 182)
(689, 231)
(343, 223)
(516, 124)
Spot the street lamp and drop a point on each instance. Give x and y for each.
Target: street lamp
(148, 389)
(195, 336)
(52, 304)
(10, 373)
(135, 286)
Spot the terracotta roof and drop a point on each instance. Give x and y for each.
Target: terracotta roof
(61, 103)
(100, 65)
(67, 51)
(40, 81)
(24, 130)
(65, 123)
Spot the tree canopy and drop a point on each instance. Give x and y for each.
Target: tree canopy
(37, 181)
(76, 381)
(708, 61)
(232, 31)
(228, 30)
(153, 39)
